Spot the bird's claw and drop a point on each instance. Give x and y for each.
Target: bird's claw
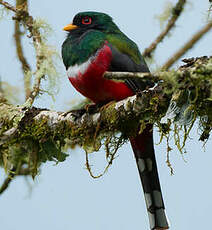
(77, 113)
(90, 109)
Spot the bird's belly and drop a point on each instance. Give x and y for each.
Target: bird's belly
(100, 90)
(88, 79)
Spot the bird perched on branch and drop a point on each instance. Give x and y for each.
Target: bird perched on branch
(95, 44)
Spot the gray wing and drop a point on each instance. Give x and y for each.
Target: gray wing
(124, 63)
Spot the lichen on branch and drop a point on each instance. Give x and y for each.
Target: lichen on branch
(33, 136)
(45, 54)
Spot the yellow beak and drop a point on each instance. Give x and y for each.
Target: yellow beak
(70, 27)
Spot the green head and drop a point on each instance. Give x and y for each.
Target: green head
(90, 20)
(88, 32)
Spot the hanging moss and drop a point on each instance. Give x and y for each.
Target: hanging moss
(32, 136)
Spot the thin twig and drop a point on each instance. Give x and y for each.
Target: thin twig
(19, 50)
(122, 76)
(176, 12)
(5, 184)
(8, 6)
(188, 45)
(24, 16)
(12, 174)
(8, 180)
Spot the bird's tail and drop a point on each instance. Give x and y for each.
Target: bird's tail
(143, 149)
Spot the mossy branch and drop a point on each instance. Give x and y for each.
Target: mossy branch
(176, 12)
(19, 50)
(33, 136)
(187, 46)
(44, 54)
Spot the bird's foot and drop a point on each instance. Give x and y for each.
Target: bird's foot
(92, 108)
(76, 113)
(89, 108)
(106, 105)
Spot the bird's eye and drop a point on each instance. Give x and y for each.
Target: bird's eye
(86, 20)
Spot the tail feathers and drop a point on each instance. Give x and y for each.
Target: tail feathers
(145, 157)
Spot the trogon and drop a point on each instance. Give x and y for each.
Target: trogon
(95, 44)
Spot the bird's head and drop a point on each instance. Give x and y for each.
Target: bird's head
(90, 20)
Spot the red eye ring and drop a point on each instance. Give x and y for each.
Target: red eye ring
(86, 21)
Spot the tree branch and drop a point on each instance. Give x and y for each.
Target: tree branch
(35, 136)
(22, 15)
(19, 50)
(188, 45)
(8, 6)
(176, 12)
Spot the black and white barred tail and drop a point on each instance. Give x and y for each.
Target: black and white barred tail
(145, 157)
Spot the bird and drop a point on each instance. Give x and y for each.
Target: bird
(94, 45)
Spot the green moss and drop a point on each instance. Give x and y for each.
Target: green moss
(34, 143)
(164, 16)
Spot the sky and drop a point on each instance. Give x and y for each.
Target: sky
(64, 196)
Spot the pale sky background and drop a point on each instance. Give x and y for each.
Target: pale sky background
(63, 196)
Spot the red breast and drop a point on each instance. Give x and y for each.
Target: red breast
(88, 78)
